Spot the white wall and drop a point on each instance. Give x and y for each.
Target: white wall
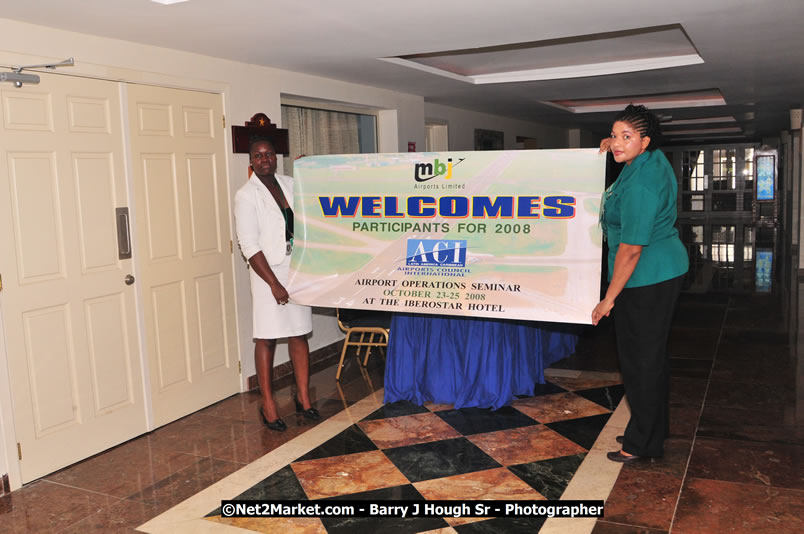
(462, 124)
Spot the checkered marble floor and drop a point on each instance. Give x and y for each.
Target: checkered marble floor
(529, 450)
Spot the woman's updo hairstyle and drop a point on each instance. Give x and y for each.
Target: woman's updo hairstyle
(643, 121)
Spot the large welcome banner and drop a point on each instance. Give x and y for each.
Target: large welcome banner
(505, 234)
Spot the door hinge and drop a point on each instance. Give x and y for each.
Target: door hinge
(231, 247)
(239, 367)
(1, 282)
(223, 118)
(19, 450)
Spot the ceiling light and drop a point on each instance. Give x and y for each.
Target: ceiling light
(169, 2)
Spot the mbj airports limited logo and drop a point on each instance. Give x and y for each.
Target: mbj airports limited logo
(436, 253)
(427, 171)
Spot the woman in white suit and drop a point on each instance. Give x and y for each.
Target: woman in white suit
(264, 222)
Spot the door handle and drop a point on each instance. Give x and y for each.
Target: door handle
(129, 279)
(123, 234)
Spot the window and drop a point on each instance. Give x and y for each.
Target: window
(692, 203)
(748, 178)
(692, 171)
(748, 243)
(315, 132)
(723, 244)
(723, 169)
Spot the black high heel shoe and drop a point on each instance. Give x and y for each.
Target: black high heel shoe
(310, 413)
(278, 425)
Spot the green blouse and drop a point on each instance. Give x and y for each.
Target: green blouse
(640, 209)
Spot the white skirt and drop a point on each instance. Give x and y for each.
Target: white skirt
(272, 321)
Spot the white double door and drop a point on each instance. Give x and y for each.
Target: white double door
(74, 312)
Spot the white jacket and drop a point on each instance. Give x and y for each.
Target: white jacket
(259, 222)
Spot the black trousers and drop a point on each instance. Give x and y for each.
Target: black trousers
(642, 317)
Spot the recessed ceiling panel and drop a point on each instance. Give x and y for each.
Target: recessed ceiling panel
(588, 55)
(711, 97)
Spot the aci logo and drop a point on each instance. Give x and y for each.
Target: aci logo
(436, 253)
(427, 171)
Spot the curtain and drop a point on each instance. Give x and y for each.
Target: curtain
(314, 132)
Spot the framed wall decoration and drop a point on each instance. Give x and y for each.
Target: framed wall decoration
(766, 177)
(488, 139)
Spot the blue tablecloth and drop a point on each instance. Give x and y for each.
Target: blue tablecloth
(469, 361)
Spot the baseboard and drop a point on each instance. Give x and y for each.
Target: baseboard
(283, 372)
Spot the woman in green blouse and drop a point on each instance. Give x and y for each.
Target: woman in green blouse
(647, 262)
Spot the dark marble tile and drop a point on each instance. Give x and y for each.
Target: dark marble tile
(767, 464)
(400, 525)
(200, 434)
(351, 392)
(43, 506)
(125, 469)
(406, 492)
(777, 426)
(673, 462)
(396, 409)
(546, 389)
(684, 420)
(688, 368)
(755, 318)
(606, 527)
(687, 391)
(351, 440)
(549, 477)
(714, 507)
(749, 396)
(185, 483)
(439, 459)
(583, 431)
(353, 370)
(736, 338)
(242, 406)
(757, 371)
(469, 421)
(123, 517)
(499, 525)
(257, 444)
(703, 299)
(609, 397)
(326, 407)
(751, 354)
(693, 343)
(708, 316)
(643, 498)
(282, 485)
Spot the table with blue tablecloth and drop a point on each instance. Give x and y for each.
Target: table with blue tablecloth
(468, 361)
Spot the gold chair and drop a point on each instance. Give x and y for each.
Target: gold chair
(364, 323)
